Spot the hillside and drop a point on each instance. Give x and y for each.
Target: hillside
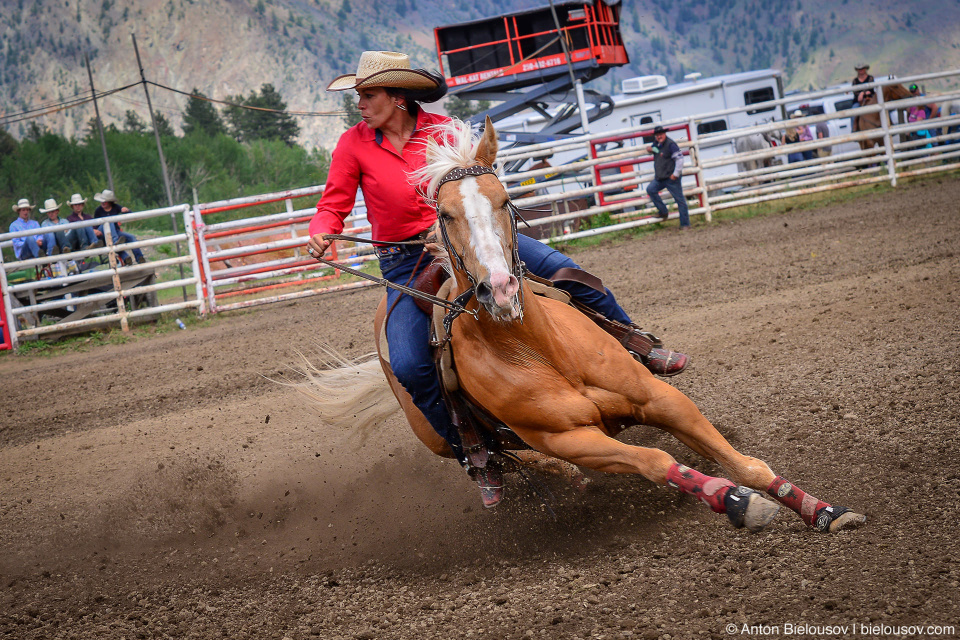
(230, 47)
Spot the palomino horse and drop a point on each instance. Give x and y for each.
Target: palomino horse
(872, 120)
(562, 384)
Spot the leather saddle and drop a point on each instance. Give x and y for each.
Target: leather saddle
(483, 436)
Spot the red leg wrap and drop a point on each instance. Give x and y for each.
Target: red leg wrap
(793, 497)
(709, 490)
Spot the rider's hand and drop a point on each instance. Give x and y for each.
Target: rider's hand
(318, 246)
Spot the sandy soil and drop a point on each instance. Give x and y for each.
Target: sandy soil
(167, 488)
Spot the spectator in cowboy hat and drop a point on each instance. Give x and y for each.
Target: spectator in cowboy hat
(29, 246)
(795, 134)
(54, 237)
(85, 237)
(860, 98)
(109, 207)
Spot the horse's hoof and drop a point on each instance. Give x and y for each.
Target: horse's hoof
(748, 508)
(834, 519)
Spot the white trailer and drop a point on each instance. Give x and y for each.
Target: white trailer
(648, 100)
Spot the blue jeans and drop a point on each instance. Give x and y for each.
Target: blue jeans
(30, 249)
(116, 233)
(408, 328)
(676, 190)
(81, 238)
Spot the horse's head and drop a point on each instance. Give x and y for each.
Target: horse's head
(476, 220)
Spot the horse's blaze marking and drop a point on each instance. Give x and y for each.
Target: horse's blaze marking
(487, 240)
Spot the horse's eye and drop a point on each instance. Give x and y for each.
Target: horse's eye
(443, 215)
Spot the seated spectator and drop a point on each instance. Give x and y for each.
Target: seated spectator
(109, 207)
(85, 237)
(55, 237)
(823, 131)
(795, 134)
(30, 246)
(920, 112)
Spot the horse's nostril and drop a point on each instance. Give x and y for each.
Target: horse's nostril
(484, 293)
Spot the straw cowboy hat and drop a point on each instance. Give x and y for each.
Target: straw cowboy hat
(105, 196)
(50, 205)
(860, 65)
(23, 204)
(797, 114)
(385, 69)
(76, 199)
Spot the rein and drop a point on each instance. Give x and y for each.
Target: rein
(454, 307)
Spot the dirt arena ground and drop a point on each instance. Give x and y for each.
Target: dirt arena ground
(167, 488)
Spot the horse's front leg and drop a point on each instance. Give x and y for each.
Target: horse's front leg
(672, 411)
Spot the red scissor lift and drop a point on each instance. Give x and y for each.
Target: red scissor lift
(517, 59)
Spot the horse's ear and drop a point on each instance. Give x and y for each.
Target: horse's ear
(488, 147)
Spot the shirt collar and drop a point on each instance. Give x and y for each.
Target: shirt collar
(378, 135)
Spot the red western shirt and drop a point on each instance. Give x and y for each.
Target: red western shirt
(365, 159)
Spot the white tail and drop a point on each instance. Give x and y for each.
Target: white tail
(347, 393)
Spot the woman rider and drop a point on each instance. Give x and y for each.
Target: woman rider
(376, 155)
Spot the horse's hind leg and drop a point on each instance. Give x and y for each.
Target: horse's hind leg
(588, 446)
(672, 411)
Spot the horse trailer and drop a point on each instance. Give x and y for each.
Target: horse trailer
(648, 100)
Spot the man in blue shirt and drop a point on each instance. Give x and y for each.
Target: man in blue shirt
(29, 246)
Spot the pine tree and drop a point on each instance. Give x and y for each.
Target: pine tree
(266, 121)
(201, 117)
(132, 123)
(164, 127)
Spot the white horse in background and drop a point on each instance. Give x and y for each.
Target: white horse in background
(757, 142)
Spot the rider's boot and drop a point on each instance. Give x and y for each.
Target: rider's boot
(490, 481)
(648, 350)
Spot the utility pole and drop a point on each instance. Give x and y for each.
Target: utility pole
(96, 109)
(581, 103)
(163, 162)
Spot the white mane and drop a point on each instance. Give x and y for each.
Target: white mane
(459, 149)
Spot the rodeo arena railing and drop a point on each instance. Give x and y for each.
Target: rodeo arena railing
(80, 290)
(261, 259)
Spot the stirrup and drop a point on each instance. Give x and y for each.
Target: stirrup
(657, 343)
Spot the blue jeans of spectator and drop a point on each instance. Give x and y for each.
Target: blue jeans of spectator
(81, 238)
(408, 328)
(29, 249)
(800, 156)
(676, 190)
(52, 239)
(128, 237)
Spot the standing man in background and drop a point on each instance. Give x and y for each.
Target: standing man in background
(668, 172)
(860, 97)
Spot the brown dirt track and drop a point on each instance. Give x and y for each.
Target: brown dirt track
(166, 488)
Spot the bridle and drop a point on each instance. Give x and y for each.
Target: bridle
(458, 305)
(455, 175)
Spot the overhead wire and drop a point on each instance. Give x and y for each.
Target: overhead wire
(64, 105)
